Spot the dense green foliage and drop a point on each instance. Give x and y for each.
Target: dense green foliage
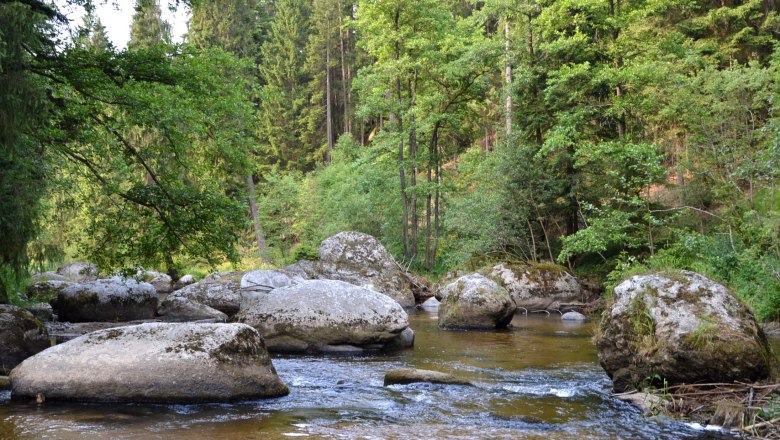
(606, 135)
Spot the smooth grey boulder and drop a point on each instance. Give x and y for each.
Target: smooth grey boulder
(431, 305)
(264, 281)
(403, 376)
(221, 291)
(362, 260)
(48, 276)
(160, 281)
(185, 310)
(317, 315)
(180, 309)
(679, 327)
(184, 281)
(111, 299)
(475, 302)
(536, 286)
(155, 362)
(574, 317)
(21, 336)
(79, 272)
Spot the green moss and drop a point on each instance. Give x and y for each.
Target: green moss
(703, 335)
(640, 318)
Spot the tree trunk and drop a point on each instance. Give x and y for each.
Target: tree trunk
(347, 124)
(328, 104)
(259, 235)
(508, 78)
(413, 245)
(432, 163)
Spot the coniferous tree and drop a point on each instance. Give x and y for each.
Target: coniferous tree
(227, 24)
(148, 28)
(232, 26)
(284, 95)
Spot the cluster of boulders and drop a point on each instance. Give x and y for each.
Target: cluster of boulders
(148, 339)
(145, 338)
(490, 297)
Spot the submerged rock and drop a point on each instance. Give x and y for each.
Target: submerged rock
(221, 291)
(475, 302)
(180, 309)
(403, 376)
(535, 286)
(358, 259)
(318, 315)
(21, 336)
(680, 327)
(79, 272)
(574, 317)
(112, 299)
(161, 363)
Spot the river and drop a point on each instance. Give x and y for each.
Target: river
(538, 380)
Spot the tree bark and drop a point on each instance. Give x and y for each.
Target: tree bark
(345, 98)
(508, 78)
(259, 235)
(328, 104)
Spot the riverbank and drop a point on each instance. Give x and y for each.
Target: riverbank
(748, 409)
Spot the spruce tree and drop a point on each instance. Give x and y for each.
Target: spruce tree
(148, 27)
(227, 24)
(284, 97)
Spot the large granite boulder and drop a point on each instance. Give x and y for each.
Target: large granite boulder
(111, 299)
(536, 286)
(79, 272)
(221, 291)
(162, 282)
(46, 290)
(358, 259)
(264, 281)
(475, 302)
(325, 315)
(21, 336)
(155, 362)
(680, 327)
(48, 276)
(180, 309)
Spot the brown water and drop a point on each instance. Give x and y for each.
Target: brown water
(539, 380)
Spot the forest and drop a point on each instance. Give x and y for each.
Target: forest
(608, 136)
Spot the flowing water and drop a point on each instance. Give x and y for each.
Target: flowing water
(539, 380)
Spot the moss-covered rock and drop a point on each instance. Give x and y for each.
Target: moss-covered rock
(221, 291)
(680, 327)
(79, 272)
(536, 286)
(111, 299)
(155, 362)
(318, 315)
(475, 302)
(178, 309)
(403, 376)
(358, 259)
(21, 336)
